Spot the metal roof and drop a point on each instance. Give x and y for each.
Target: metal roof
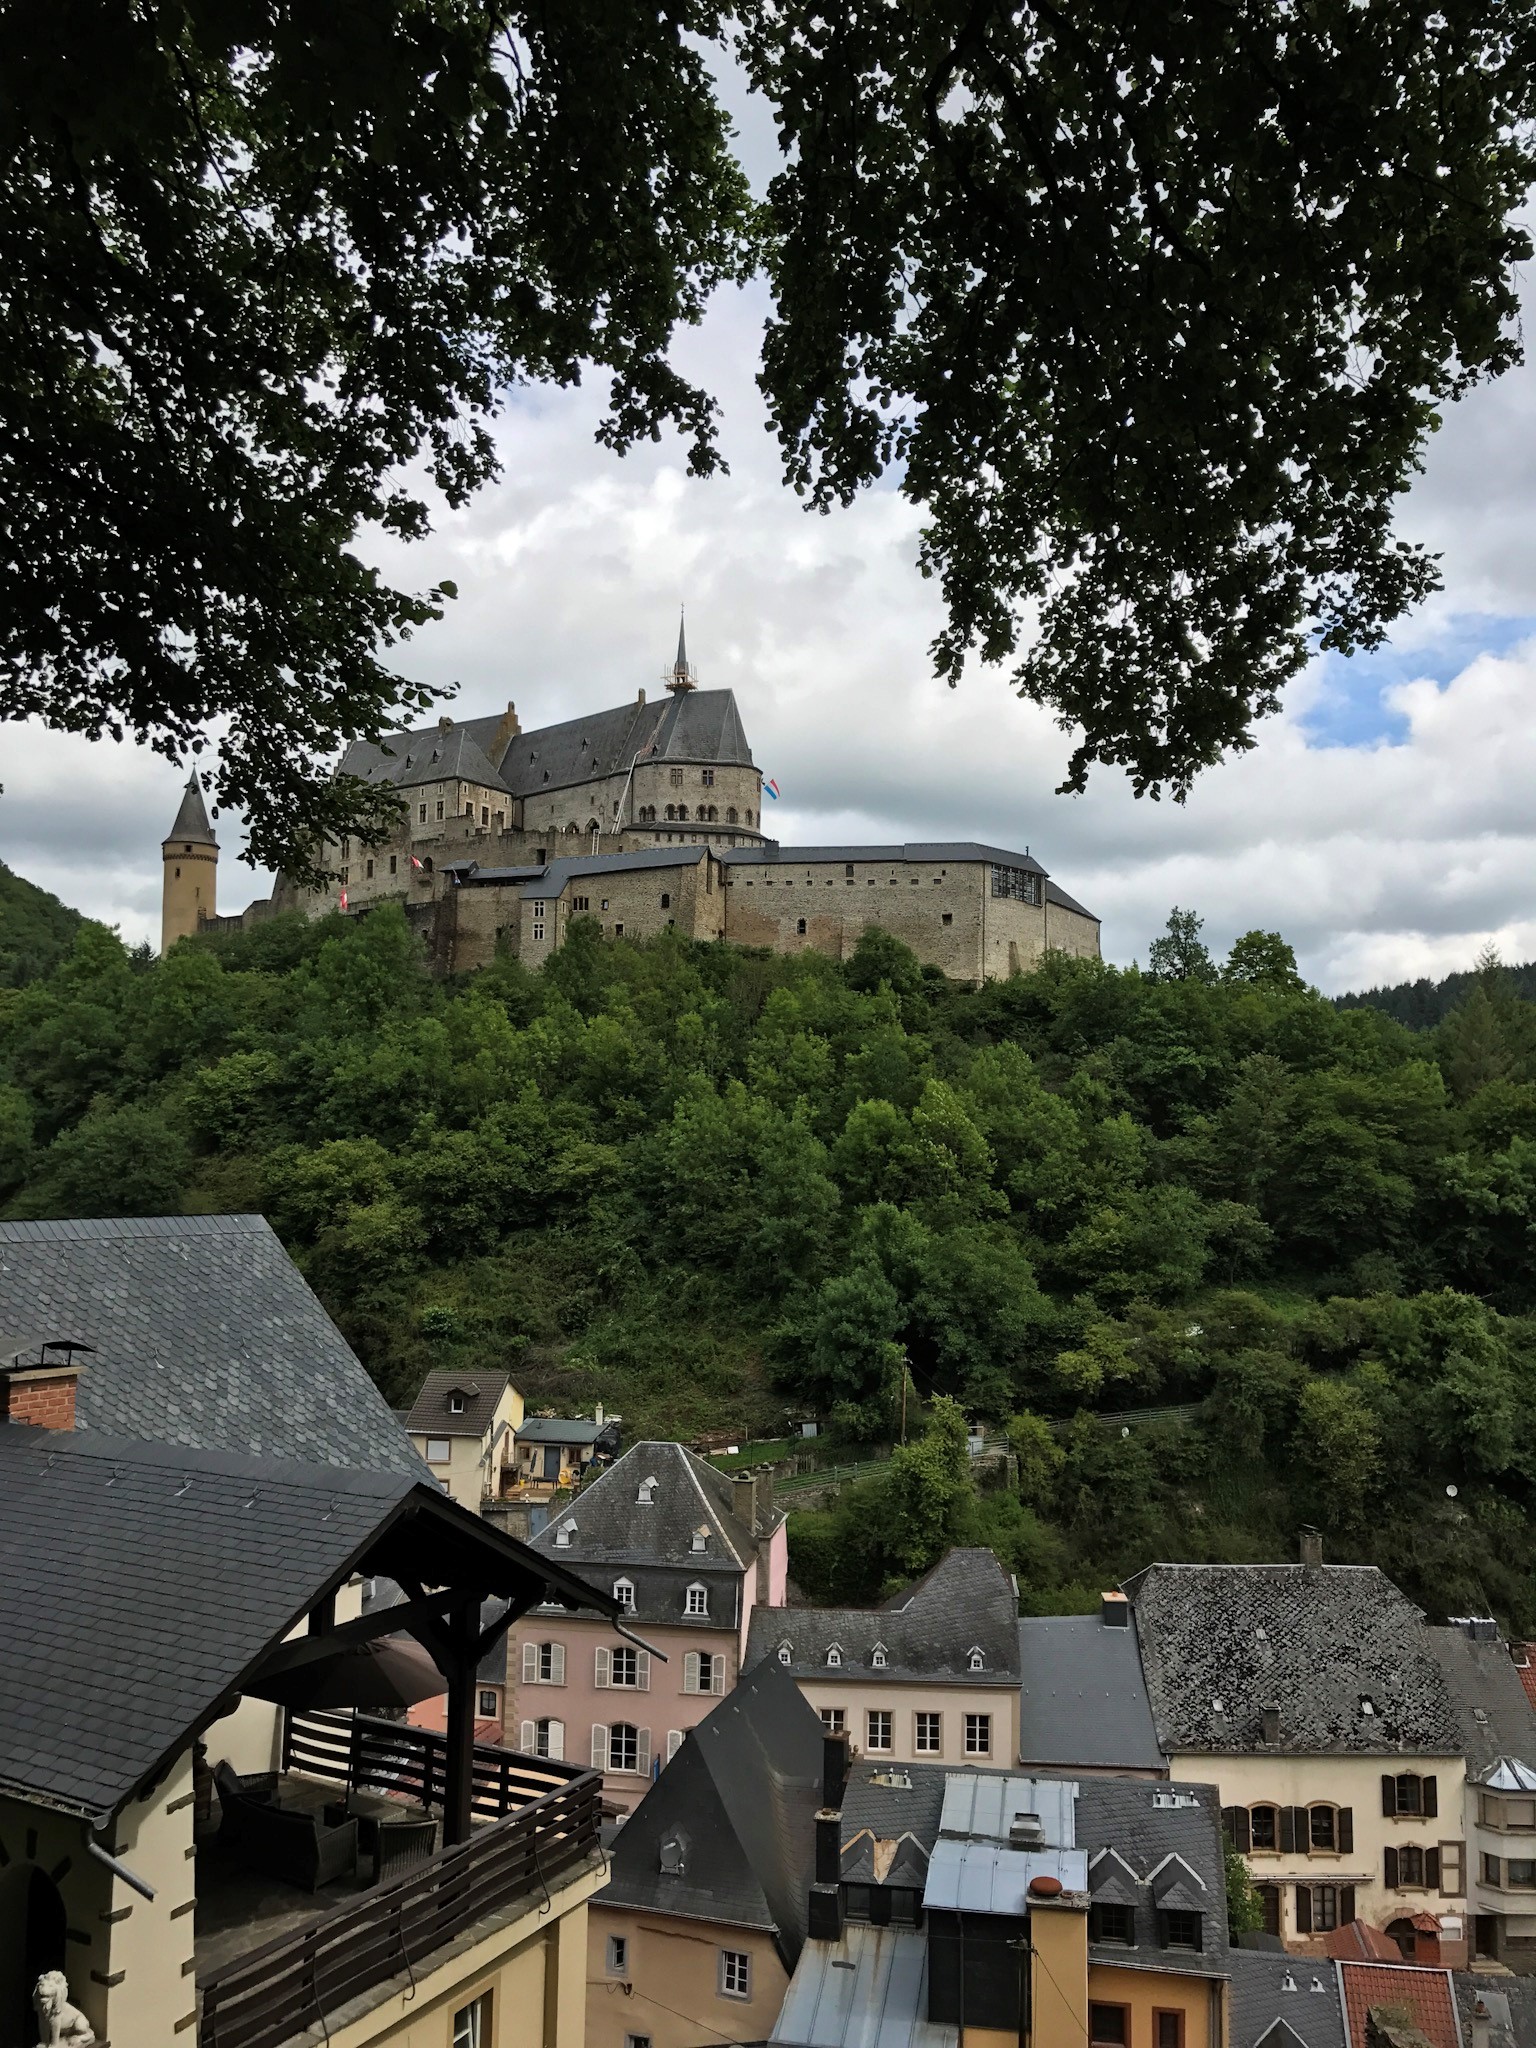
(554, 1429)
(561, 873)
(983, 1877)
(869, 1990)
(981, 1808)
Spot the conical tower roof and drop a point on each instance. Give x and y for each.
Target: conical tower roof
(681, 677)
(192, 819)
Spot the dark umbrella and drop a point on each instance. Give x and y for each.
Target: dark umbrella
(388, 1671)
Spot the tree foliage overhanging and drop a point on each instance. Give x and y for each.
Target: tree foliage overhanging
(718, 1189)
(1150, 309)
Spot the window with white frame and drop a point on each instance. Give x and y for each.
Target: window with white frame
(735, 1973)
(977, 1661)
(833, 1720)
(472, 2024)
(626, 1668)
(624, 1593)
(487, 1703)
(835, 1655)
(455, 1404)
(624, 1747)
(878, 1730)
(646, 1497)
(439, 1450)
(549, 1738)
(565, 1535)
(697, 1603)
(877, 1657)
(675, 1739)
(703, 1672)
(701, 1539)
(978, 1734)
(618, 1955)
(786, 1653)
(543, 1663)
(928, 1734)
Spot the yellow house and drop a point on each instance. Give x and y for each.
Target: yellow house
(182, 1859)
(464, 1424)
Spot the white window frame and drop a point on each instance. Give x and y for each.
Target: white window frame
(976, 1660)
(700, 1539)
(982, 1724)
(472, 2023)
(696, 1605)
(918, 1746)
(564, 1534)
(439, 1450)
(618, 1955)
(646, 1497)
(887, 1721)
(536, 1656)
(486, 1692)
(624, 1593)
(877, 1657)
(735, 1973)
(834, 1656)
(786, 1653)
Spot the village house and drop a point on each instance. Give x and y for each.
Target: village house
(554, 1452)
(689, 1555)
(1498, 1727)
(932, 1676)
(462, 1425)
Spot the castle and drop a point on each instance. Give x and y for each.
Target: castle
(644, 818)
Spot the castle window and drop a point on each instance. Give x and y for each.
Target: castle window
(947, 917)
(800, 926)
(618, 931)
(485, 814)
(666, 900)
(713, 814)
(421, 814)
(707, 777)
(394, 864)
(671, 810)
(178, 874)
(469, 812)
(579, 903)
(546, 775)
(676, 778)
(848, 870)
(730, 814)
(369, 871)
(1018, 885)
(682, 812)
(439, 810)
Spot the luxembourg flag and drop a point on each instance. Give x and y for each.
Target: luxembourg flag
(415, 863)
(771, 788)
(343, 899)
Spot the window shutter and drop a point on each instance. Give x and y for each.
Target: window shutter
(528, 1741)
(674, 1742)
(1301, 1827)
(1431, 1797)
(1389, 1795)
(643, 1670)
(1432, 1869)
(1303, 1906)
(530, 1663)
(1452, 1869)
(557, 1741)
(717, 1680)
(604, 1669)
(1234, 1822)
(643, 1751)
(1391, 1870)
(1346, 1830)
(557, 1664)
(1288, 1844)
(1346, 1904)
(691, 1672)
(599, 1748)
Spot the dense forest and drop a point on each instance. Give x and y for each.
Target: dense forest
(1423, 1004)
(36, 930)
(714, 1188)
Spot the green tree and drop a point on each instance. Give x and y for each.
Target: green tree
(930, 1498)
(1181, 954)
(1262, 960)
(1338, 1441)
(113, 1162)
(1245, 1909)
(842, 1353)
(1038, 1455)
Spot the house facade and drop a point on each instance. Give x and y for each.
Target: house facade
(689, 1555)
(1498, 1725)
(463, 1425)
(931, 1677)
(1313, 1696)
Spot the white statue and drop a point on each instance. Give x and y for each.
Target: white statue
(57, 2020)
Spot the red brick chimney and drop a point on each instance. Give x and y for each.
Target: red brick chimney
(37, 1387)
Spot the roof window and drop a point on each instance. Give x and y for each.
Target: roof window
(624, 1593)
(786, 1652)
(877, 1657)
(647, 1495)
(455, 1404)
(564, 1534)
(701, 1539)
(835, 1654)
(1367, 1704)
(975, 1660)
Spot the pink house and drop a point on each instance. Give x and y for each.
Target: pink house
(690, 1553)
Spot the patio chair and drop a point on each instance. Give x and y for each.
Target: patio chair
(401, 1844)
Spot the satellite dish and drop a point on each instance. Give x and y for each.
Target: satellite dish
(1125, 1429)
(1450, 1493)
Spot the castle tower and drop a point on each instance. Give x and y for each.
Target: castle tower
(191, 857)
(680, 676)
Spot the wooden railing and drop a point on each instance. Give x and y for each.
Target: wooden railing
(302, 1980)
(368, 1755)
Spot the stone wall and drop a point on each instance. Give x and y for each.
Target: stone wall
(938, 908)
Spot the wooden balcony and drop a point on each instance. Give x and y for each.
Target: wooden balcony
(536, 1820)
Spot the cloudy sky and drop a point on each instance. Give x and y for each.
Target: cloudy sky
(1384, 823)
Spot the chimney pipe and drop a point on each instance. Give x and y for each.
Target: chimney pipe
(829, 1847)
(40, 1394)
(744, 1498)
(834, 1771)
(1311, 1545)
(1269, 1724)
(1114, 1610)
(824, 1922)
(1482, 2024)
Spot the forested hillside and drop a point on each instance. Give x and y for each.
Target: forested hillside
(714, 1188)
(35, 929)
(1422, 1004)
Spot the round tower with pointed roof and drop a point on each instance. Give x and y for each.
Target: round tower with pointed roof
(191, 858)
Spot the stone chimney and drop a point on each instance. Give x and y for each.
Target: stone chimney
(1114, 1610)
(744, 1498)
(1482, 2023)
(1311, 1545)
(834, 1771)
(37, 1386)
(507, 730)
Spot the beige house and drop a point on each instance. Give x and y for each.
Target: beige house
(1314, 1697)
(932, 1677)
(464, 1425)
(199, 1864)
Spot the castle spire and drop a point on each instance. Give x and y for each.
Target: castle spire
(192, 818)
(190, 857)
(681, 677)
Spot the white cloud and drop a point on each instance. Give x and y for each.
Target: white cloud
(1377, 861)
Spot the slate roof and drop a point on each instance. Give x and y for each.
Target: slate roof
(967, 1601)
(925, 851)
(205, 1334)
(558, 1429)
(739, 1801)
(1053, 894)
(693, 725)
(891, 1815)
(1272, 1993)
(1169, 1836)
(140, 1585)
(1083, 1700)
(1425, 1995)
(1511, 2003)
(1497, 1718)
(432, 1416)
(192, 817)
(405, 760)
(560, 874)
(1221, 1642)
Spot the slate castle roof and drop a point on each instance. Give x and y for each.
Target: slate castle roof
(727, 1832)
(204, 1334)
(192, 818)
(432, 1414)
(929, 1631)
(1346, 1657)
(406, 760)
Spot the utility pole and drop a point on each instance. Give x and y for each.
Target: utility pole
(903, 1397)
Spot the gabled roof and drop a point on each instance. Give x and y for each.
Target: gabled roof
(205, 1334)
(1359, 1941)
(192, 818)
(432, 1413)
(141, 1584)
(1425, 1995)
(696, 725)
(563, 874)
(1082, 1697)
(928, 1631)
(406, 760)
(1282, 2001)
(559, 1429)
(740, 1800)
(1346, 1657)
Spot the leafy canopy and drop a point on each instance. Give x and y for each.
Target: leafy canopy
(1150, 309)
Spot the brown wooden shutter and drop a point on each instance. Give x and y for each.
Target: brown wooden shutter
(1346, 1904)
(1287, 1831)
(1302, 1827)
(1431, 1797)
(1303, 1906)
(1432, 1869)
(1389, 1795)
(1234, 1821)
(1346, 1829)
(1391, 1870)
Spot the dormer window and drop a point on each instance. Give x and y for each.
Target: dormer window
(647, 1494)
(697, 1603)
(701, 1539)
(786, 1652)
(565, 1535)
(455, 1404)
(976, 1661)
(624, 1593)
(877, 1657)
(835, 1654)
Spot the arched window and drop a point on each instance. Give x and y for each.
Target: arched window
(571, 829)
(1323, 1828)
(730, 814)
(1264, 1826)
(666, 900)
(682, 812)
(624, 1747)
(671, 810)
(713, 814)
(624, 1593)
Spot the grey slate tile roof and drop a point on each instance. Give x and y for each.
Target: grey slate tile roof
(739, 1800)
(560, 874)
(1497, 1719)
(1057, 895)
(138, 1583)
(891, 1803)
(205, 1333)
(406, 760)
(431, 1414)
(696, 725)
(920, 850)
(1511, 2003)
(558, 1429)
(1221, 1642)
(1261, 1995)
(1083, 1698)
(192, 818)
(966, 1602)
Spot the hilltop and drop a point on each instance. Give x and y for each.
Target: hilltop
(36, 929)
(1423, 1004)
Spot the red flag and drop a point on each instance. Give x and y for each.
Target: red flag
(343, 899)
